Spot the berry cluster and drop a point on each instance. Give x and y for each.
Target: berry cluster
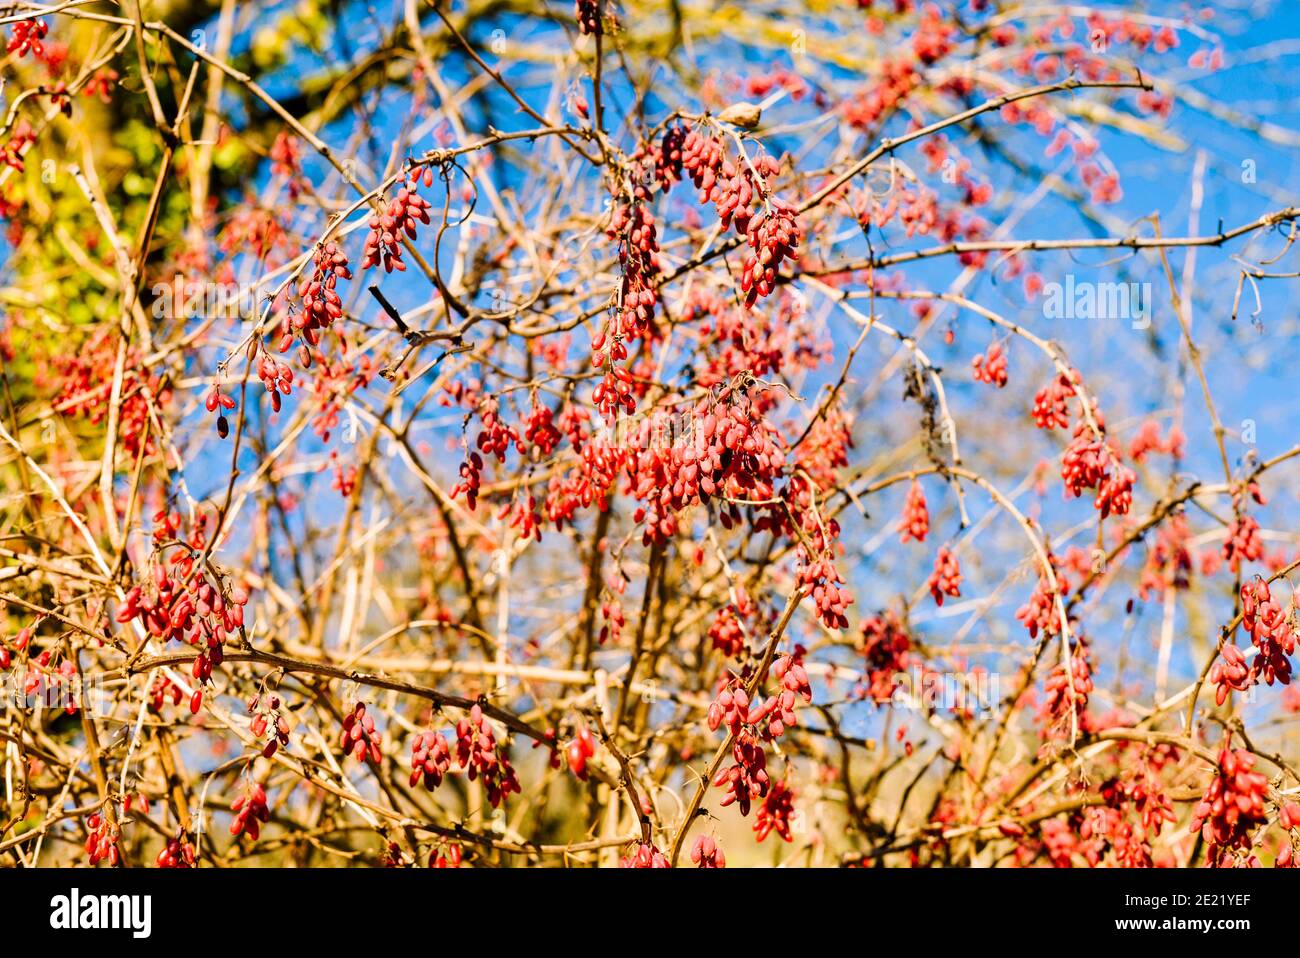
(644, 855)
(734, 188)
(1146, 797)
(726, 634)
(384, 242)
(638, 254)
(494, 439)
(267, 718)
(359, 737)
(1270, 629)
(821, 579)
(321, 305)
(286, 160)
(218, 402)
(26, 36)
(1148, 440)
(522, 511)
(477, 750)
(771, 240)
(735, 191)
(887, 648)
(1041, 612)
(445, 856)
(614, 393)
(775, 812)
(702, 157)
(789, 670)
(55, 684)
(471, 478)
(101, 843)
(184, 606)
(1051, 403)
(101, 84)
(1067, 691)
(933, 38)
(331, 387)
(277, 377)
(589, 481)
(1243, 541)
(746, 779)
(1090, 463)
(916, 517)
(1059, 841)
(430, 759)
(611, 613)
(730, 450)
(177, 853)
(1233, 804)
(540, 430)
(1106, 829)
(668, 156)
(991, 367)
(946, 577)
(251, 811)
(160, 690)
(84, 375)
(730, 708)
(707, 853)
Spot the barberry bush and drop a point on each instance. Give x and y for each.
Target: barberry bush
(455, 434)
